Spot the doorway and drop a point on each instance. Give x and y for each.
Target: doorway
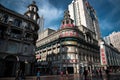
(10, 66)
(70, 70)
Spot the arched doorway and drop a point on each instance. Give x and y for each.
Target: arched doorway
(10, 66)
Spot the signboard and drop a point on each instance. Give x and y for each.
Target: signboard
(71, 61)
(69, 33)
(103, 56)
(38, 56)
(70, 42)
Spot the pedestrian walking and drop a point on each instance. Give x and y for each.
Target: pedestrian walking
(97, 72)
(61, 73)
(100, 73)
(85, 74)
(66, 73)
(38, 75)
(107, 73)
(17, 74)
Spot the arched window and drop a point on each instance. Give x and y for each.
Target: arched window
(5, 18)
(33, 9)
(17, 22)
(67, 22)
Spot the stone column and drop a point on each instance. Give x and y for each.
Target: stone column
(78, 68)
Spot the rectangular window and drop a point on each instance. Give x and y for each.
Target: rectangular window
(12, 48)
(68, 56)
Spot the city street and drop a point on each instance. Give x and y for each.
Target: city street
(75, 77)
(70, 77)
(59, 40)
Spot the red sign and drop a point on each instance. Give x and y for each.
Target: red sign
(103, 54)
(103, 57)
(69, 33)
(38, 56)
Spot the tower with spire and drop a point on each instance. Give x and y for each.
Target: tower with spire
(68, 27)
(67, 21)
(32, 12)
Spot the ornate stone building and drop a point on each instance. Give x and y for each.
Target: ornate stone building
(18, 35)
(68, 48)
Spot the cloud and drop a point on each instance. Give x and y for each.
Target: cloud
(54, 27)
(51, 14)
(105, 25)
(115, 2)
(108, 15)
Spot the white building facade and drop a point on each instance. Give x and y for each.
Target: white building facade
(113, 39)
(41, 24)
(109, 56)
(84, 15)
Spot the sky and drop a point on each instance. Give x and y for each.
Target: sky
(52, 10)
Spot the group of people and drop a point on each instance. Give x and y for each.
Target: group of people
(84, 73)
(95, 73)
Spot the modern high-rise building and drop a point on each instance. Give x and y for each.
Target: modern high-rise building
(84, 14)
(18, 35)
(41, 24)
(113, 39)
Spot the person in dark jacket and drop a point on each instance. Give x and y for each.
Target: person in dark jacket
(38, 75)
(17, 74)
(85, 73)
(107, 73)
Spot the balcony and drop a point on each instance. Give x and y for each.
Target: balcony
(17, 36)
(28, 39)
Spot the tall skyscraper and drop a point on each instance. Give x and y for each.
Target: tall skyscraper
(83, 14)
(41, 24)
(113, 39)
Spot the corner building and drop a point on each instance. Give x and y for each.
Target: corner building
(18, 35)
(68, 49)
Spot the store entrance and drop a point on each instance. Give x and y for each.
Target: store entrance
(10, 66)
(70, 70)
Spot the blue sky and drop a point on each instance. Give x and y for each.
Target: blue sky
(107, 11)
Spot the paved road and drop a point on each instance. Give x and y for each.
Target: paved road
(69, 77)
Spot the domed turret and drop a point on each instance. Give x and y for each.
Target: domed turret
(67, 21)
(67, 26)
(32, 11)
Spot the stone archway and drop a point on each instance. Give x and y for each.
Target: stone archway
(10, 65)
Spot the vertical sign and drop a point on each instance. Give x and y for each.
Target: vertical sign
(103, 56)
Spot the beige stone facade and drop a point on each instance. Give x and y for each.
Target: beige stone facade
(84, 14)
(68, 48)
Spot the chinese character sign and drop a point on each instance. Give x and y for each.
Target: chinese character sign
(103, 56)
